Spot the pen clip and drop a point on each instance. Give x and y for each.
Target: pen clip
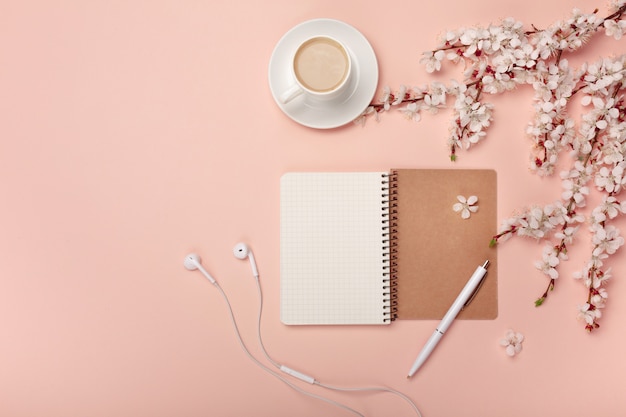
(480, 284)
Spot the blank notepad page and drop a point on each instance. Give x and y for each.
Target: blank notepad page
(331, 248)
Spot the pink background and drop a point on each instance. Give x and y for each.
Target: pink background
(134, 132)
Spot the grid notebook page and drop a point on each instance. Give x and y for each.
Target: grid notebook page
(331, 249)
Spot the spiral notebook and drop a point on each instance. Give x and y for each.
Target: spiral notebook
(373, 247)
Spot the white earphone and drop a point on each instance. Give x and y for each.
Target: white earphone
(193, 262)
(242, 251)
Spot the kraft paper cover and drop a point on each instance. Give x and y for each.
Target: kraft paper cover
(437, 249)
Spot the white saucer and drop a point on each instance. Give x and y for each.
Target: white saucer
(340, 111)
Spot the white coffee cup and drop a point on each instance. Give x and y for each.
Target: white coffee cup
(321, 68)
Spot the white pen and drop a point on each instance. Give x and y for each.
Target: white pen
(466, 295)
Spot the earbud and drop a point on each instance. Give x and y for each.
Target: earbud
(242, 251)
(193, 262)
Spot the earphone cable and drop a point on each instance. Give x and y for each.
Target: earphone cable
(374, 389)
(270, 371)
(330, 387)
(267, 356)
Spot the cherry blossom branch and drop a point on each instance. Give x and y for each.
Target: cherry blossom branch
(606, 240)
(501, 57)
(589, 156)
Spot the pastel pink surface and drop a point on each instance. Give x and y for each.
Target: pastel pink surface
(135, 132)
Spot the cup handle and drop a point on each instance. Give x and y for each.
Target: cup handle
(291, 93)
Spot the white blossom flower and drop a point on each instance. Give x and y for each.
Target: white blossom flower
(611, 207)
(436, 97)
(471, 38)
(472, 114)
(466, 205)
(606, 239)
(512, 342)
(598, 215)
(601, 277)
(575, 192)
(526, 56)
(611, 180)
(503, 62)
(549, 263)
(546, 43)
(593, 276)
(614, 29)
(567, 235)
(588, 313)
(411, 111)
(432, 60)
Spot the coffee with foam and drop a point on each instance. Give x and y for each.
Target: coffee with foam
(321, 64)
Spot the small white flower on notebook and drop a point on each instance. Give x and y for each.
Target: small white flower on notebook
(466, 206)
